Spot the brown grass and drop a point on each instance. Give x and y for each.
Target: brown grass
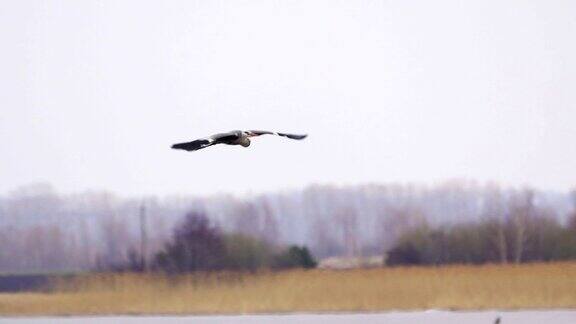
(455, 287)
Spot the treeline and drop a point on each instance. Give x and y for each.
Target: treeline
(198, 245)
(525, 233)
(44, 231)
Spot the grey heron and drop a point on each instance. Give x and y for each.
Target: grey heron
(236, 137)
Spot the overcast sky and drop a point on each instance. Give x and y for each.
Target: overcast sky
(93, 93)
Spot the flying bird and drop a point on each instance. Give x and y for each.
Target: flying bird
(236, 137)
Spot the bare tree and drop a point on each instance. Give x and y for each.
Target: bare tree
(572, 216)
(270, 231)
(348, 221)
(116, 241)
(494, 209)
(521, 212)
(247, 220)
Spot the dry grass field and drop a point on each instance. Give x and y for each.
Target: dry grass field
(452, 287)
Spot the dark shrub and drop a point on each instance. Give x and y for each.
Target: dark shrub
(196, 245)
(295, 257)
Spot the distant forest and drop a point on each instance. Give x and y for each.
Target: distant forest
(454, 222)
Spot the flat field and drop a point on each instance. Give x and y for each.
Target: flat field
(528, 286)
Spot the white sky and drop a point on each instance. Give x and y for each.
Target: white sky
(93, 93)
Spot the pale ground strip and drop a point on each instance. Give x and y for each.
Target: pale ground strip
(431, 317)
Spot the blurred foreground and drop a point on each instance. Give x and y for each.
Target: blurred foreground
(524, 286)
(433, 317)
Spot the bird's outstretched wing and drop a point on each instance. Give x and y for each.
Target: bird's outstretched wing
(208, 141)
(194, 145)
(292, 136)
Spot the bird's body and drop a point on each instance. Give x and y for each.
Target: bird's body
(236, 137)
